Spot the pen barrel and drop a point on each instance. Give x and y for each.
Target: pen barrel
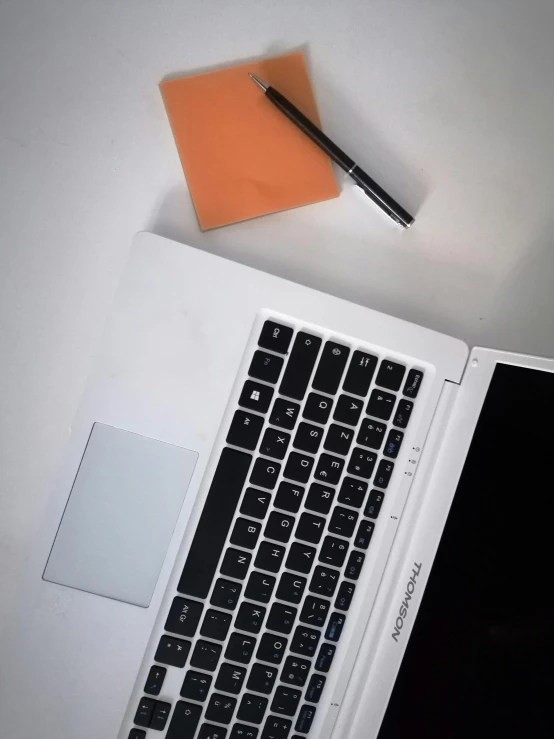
(381, 198)
(310, 129)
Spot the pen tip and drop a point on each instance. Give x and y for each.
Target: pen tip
(258, 81)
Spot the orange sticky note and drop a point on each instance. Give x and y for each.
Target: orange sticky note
(243, 158)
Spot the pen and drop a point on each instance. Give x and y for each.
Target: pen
(361, 178)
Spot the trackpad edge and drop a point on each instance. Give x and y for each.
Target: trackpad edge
(120, 515)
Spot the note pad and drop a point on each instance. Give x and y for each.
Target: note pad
(243, 158)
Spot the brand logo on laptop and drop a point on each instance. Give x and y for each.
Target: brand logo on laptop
(402, 613)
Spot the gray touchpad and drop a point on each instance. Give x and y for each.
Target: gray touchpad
(120, 516)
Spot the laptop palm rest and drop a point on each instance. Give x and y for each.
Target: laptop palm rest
(118, 522)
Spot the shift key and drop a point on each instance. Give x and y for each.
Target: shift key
(300, 365)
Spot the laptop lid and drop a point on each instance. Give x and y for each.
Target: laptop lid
(478, 661)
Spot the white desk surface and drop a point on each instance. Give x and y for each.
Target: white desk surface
(450, 105)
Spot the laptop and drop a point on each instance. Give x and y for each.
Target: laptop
(281, 515)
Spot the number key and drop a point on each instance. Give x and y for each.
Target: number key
(352, 492)
(314, 611)
(343, 521)
(380, 405)
(296, 671)
(371, 433)
(286, 700)
(333, 551)
(362, 463)
(324, 581)
(305, 641)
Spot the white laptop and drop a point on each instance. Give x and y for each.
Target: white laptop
(263, 487)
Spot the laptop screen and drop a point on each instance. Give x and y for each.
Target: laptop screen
(480, 660)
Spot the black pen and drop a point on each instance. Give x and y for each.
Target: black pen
(363, 180)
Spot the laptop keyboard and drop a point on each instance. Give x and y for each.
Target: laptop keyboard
(285, 531)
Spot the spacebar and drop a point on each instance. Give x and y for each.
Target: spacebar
(214, 523)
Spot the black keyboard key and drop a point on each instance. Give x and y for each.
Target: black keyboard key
(137, 734)
(305, 719)
(281, 618)
(214, 523)
(308, 438)
(256, 397)
(210, 731)
(371, 433)
(373, 505)
(276, 728)
(216, 625)
(329, 469)
(279, 526)
(317, 408)
(413, 383)
(310, 528)
(266, 367)
(343, 522)
(345, 595)
(220, 708)
(360, 373)
(272, 648)
(330, 368)
(362, 463)
(352, 492)
(354, 565)
(160, 715)
(315, 688)
(315, 610)
(301, 558)
(284, 413)
(320, 498)
(286, 700)
(325, 657)
(390, 375)
(276, 337)
(324, 581)
(403, 413)
(184, 720)
(298, 467)
(240, 648)
(241, 731)
(230, 678)
(393, 443)
(250, 617)
(265, 473)
(235, 563)
(380, 404)
(383, 474)
(196, 685)
(260, 586)
(155, 680)
(245, 430)
(291, 587)
(172, 651)
(348, 410)
(296, 671)
(333, 552)
(289, 497)
(262, 678)
(305, 641)
(225, 594)
(274, 443)
(144, 712)
(269, 556)
(338, 439)
(335, 626)
(206, 655)
(252, 708)
(245, 533)
(364, 534)
(255, 503)
(300, 365)
(184, 616)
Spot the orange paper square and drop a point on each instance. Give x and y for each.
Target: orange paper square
(243, 158)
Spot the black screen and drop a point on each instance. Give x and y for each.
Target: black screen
(480, 660)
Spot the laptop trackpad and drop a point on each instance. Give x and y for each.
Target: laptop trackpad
(120, 516)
